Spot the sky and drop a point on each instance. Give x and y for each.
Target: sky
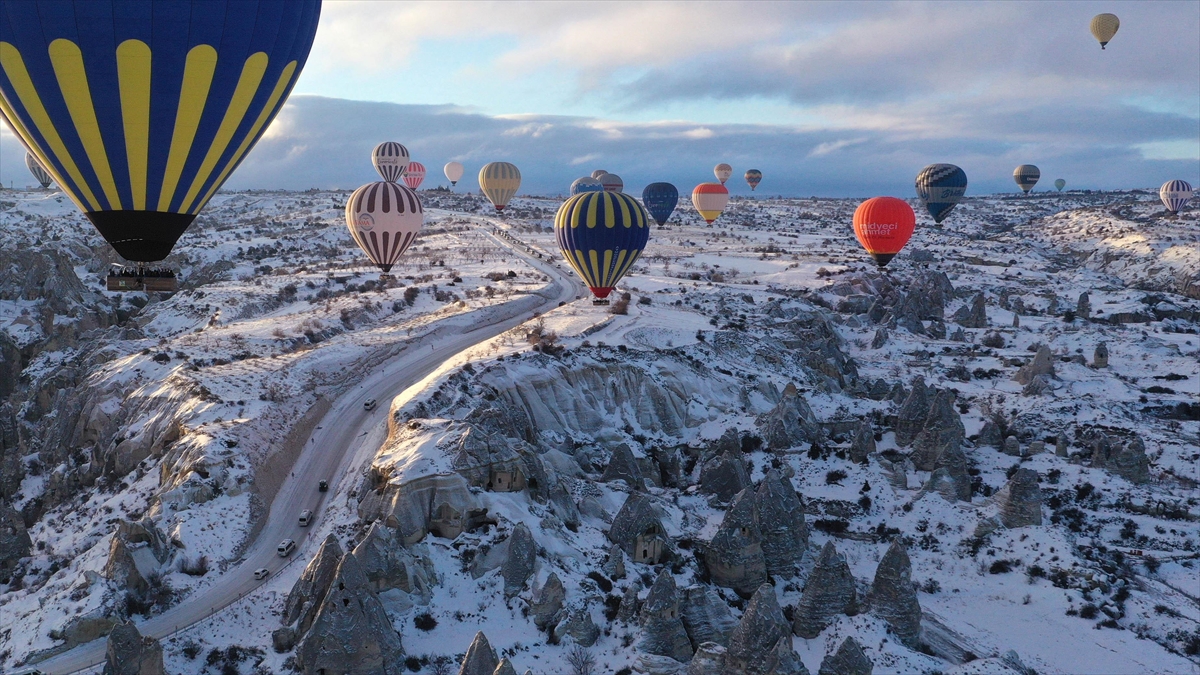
(832, 99)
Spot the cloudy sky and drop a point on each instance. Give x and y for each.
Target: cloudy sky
(838, 99)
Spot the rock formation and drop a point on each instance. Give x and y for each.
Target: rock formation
(849, 659)
(505, 667)
(973, 315)
(1020, 500)
(910, 419)
(630, 605)
(137, 552)
(622, 465)
(663, 633)
(1042, 364)
(309, 591)
(351, 633)
(780, 518)
(950, 477)
(880, 339)
(547, 601)
(1127, 460)
(614, 563)
(441, 504)
(790, 423)
(724, 476)
(1100, 356)
(578, 626)
(480, 658)
(762, 639)
(709, 660)
(14, 539)
(518, 564)
(638, 531)
(1012, 446)
(389, 565)
(706, 617)
(734, 557)
(893, 597)
(1061, 446)
(829, 591)
(1083, 306)
(128, 653)
(864, 442)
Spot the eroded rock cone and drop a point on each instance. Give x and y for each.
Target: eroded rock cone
(1020, 500)
(943, 428)
(864, 442)
(15, 542)
(388, 564)
(518, 564)
(637, 521)
(734, 557)
(1083, 306)
(663, 633)
(623, 466)
(849, 659)
(578, 626)
(762, 630)
(830, 591)
(480, 658)
(505, 667)
(309, 590)
(910, 419)
(630, 605)
(128, 653)
(1127, 460)
(547, 601)
(724, 476)
(893, 597)
(953, 464)
(781, 523)
(706, 617)
(974, 314)
(1042, 364)
(791, 423)
(351, 633)
(709, 660)
(1100, 357)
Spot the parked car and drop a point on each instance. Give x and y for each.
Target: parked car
(261, 573)
(305, 517)
(286, 547)
(323, 486)
(369, 404)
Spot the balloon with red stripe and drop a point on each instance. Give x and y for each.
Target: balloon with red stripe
(883, 225)
(415, 175)
(710, 200)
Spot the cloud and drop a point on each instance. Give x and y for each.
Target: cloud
(827, 148)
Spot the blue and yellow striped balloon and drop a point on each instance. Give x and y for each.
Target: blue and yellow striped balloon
(140, 110)
(601, 235)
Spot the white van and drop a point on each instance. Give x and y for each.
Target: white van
(286, 547)
(305, 518)
(369, 404)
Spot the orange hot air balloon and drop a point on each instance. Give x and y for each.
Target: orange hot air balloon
(710, 200)
(883, 226)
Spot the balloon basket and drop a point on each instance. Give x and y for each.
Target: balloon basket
(149, 279)
(600, 301)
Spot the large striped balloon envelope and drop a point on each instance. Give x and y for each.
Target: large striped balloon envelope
(390, 160)
(753, 178)
(1026, 176)
(384, 219)
(660, 200)
(940, 187)
(601, 235)
(141, 110)
(612, 182)
(499, 182)
(883, 225)
(710, 200)
(35, 168)
(1175, 194)
(415, 175)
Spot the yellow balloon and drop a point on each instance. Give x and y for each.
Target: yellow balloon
(499, 181)
(1104, 27)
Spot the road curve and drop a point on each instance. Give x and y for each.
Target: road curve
(327, 455)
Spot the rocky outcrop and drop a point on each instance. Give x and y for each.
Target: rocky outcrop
(790, 423)
(351, 633)
(974, 314)
(1100, 356)
(910, 419)
(623, 466)
(637, 527)
(547, 601)
(631, 606)
(780, 518)
(389, 565)
(829, 591)
(614, 563)
(1083, 306)
(480, 658)
(309, 591)
(706, 617)
(762, 643)
(505, 667)
(734, 557)
(518, 564)
(951, 477)
(15, 542)
(1020, 500)
(1042, 364)
(709, 660)
(1127, 460)
(863, 444)
(941, 429)
(128, 653)
(578, 626)
(495, 463)
(849, 659)
(137, 552)
(724, 476)
(663, 633)
(441, 504)
(893, 597)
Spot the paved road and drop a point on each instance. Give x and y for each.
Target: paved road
(328, 454)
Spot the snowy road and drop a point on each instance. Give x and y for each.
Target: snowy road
(328, 454)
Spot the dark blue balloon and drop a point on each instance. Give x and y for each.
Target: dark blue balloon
(940, 187)
(660, 200)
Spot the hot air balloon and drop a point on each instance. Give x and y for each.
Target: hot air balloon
(414, 175)
(597, 173)
(1060, 184)
(883, 225)
(1104, 27)
(140, 110)
(660, 200)
(601, 235)
(753, 178)
(1175, 195)
(586, 184)
(612, 182)
(723, 171)
(940, 187)
(35, 168)
(384, 218)
(499, 182)
(453, 171)
(390, 159)
(710, 200)
(1026, 176)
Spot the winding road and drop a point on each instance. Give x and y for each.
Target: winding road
(343, 433)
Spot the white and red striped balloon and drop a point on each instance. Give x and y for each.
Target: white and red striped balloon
(415, 175)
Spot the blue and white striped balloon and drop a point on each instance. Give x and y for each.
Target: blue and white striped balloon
(586, 184)
(1175, 194)
(940, 187)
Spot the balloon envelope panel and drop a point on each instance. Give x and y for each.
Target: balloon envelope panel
(1026, 176)
(586, 184)
(601, 235)
(1175, 194)
(390, 160)
(384, 219)
(660, 200)
(499, 181)
(940, 187)
(141, 110)
(883, 225)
